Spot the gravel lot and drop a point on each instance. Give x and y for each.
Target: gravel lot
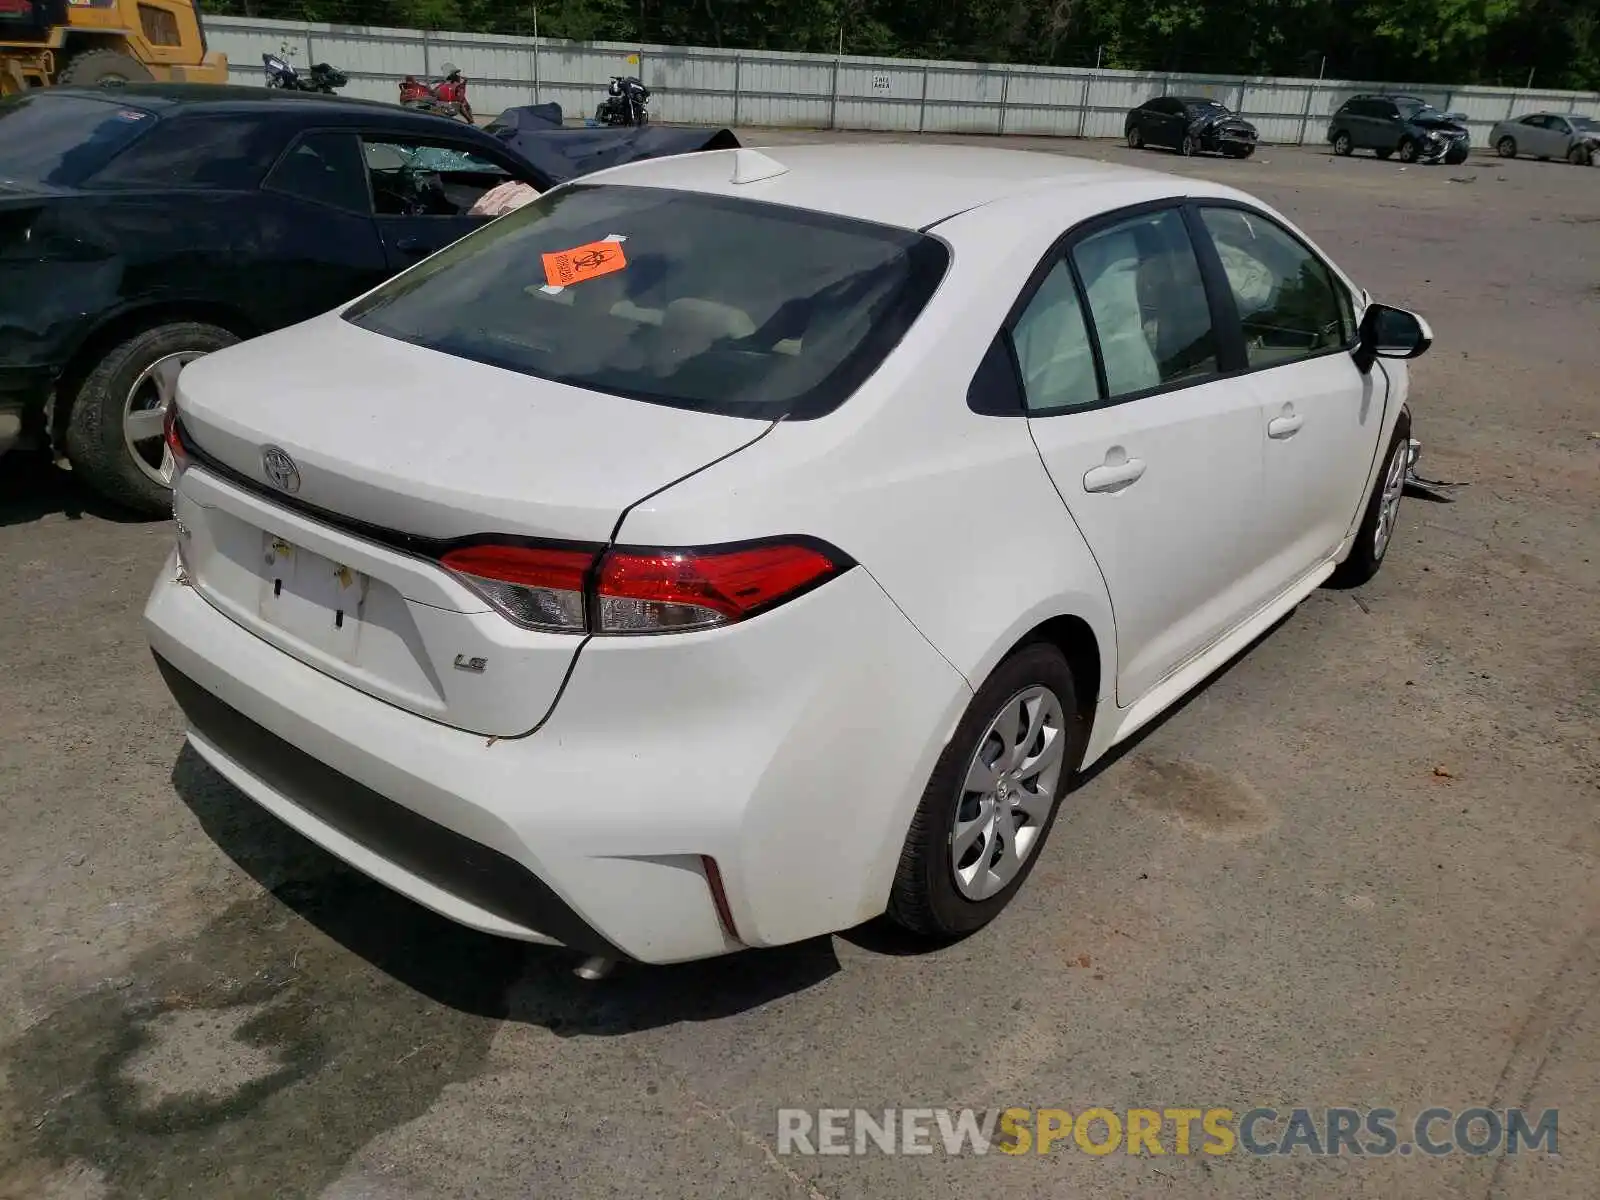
(1358, 868)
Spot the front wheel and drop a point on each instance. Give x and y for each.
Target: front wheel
(992, 798)
(1506, 147)
(1409, 150)
(1376, 533)
(1581, 156)
(114, 434)
(1188, 147)
(1239, 151)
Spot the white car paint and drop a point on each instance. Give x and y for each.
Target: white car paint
(790, 749)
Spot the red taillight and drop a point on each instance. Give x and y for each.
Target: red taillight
(172, 434)
(639, 590)
(535, 586)
(662, 591)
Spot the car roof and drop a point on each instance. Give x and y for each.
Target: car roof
(889, 183)
(170, 99)
(1195, 99)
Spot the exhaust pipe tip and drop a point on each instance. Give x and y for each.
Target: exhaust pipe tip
(594, 968)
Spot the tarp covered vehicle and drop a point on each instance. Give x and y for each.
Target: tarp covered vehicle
(536, 133)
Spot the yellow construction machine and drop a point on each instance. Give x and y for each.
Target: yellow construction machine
(82, 43)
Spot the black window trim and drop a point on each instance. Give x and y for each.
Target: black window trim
(293, 145)
(1232, 359)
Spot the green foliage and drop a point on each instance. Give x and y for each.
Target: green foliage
(1417, 41)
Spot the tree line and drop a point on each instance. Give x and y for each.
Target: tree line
(1556, 43)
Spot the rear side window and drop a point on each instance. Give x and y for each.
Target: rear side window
(703, 302)
(229, 152)
(62, 140)
(1052, 345)
(1151, 314)
(325, 168)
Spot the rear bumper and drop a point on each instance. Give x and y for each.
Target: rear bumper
(792, 751)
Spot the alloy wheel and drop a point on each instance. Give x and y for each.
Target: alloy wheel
(1394, 486)
(1007, 793)
(144, 414)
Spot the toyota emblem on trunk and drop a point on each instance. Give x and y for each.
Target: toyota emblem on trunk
(280, 469)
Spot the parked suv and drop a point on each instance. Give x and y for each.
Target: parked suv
(1405, 125)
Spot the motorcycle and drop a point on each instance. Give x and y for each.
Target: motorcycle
(321, 78)
(445, 97)
(626, 103)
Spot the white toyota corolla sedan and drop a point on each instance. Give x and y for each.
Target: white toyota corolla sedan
(731, 548)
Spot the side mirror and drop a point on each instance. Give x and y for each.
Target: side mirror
(1391, 333)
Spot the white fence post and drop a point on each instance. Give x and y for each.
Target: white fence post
(1083, 105)
(738, 64)
(922, 105)
(1005, 96)
(1305, 115)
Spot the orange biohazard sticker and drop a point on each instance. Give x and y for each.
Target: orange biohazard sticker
(582, 263)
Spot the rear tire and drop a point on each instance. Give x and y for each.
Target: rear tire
(1383, 508)
(112, 455)
(1506, 147)
(945, 890)
(93, 68)
(1135, 138)
(1342, 145)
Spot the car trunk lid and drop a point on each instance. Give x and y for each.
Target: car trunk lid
(332, 468)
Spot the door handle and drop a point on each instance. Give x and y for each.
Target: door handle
(409, 245)
(1284, 427)
(1113, 477)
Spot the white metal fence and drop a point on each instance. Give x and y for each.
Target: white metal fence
(766, 88)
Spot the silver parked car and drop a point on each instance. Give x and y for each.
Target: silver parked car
(1550, 135)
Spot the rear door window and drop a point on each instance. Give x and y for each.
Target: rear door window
(62, 140)
(704, 302)
(1052, 345)
(1151, 315)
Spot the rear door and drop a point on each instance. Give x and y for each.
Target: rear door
(1319, 418)
(1156, 455)
(423, 191)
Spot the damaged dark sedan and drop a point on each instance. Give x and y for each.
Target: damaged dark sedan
(1190, 125)
(144, 226)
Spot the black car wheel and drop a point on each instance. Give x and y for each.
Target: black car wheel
(114, 435)
(1580, 156)
(1408, 149)
(1456, 156)
(1239, 151)
(1188, 147)
(1135, 138)
(1506, 147)
(1342, 145)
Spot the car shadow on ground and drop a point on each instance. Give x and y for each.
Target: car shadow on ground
(32, 487)
(472, 972)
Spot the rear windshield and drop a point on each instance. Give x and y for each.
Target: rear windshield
(62, 140)
(697, 301)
